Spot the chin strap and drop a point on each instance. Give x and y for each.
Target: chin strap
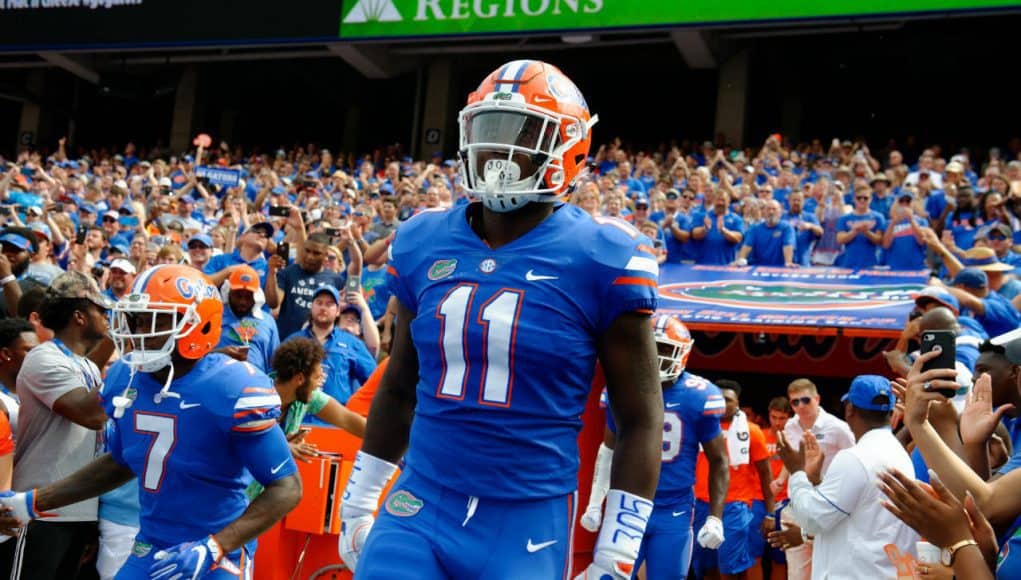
(126, 399)
(165, 391)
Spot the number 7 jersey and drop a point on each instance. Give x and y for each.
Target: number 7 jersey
(506, 341)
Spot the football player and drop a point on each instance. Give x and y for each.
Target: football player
(504, 305)
(691, 419)
(188, 424)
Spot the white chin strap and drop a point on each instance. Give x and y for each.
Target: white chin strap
(505, 190)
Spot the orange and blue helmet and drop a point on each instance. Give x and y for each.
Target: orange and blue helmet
(674, 343)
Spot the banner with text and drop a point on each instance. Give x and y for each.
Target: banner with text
(817, 301)
(417, 18)
(219, 176)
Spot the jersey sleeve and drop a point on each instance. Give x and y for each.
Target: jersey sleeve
(318, 401)
(757, 450)
(709, 421)
(405, 253)
(630, 269)
(265, 454)
(256, 410)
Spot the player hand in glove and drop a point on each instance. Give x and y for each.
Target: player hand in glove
(711, 534)
(620, 537)
(361, 496)
(190, 561)
(20, 506)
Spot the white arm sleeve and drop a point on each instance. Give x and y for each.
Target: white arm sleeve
(601, 476)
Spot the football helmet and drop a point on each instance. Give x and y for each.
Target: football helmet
(187, 297)
(672, 337)
(524, 136)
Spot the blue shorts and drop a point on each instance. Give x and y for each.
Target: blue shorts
(756, 542)
(733, 555)
(666, 546)
(429, 531)
(142, 558)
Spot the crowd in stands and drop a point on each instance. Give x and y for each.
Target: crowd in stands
(297, 243)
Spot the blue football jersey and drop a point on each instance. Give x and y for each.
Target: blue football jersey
(692, 408)
(506, 342)
(190, 452)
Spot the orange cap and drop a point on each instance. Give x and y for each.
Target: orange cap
(244, 278)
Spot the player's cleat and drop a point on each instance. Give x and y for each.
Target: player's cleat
(711, 535)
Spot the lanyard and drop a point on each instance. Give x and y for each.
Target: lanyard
(92, 382)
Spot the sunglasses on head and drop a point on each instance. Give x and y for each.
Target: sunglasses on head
(800, 401)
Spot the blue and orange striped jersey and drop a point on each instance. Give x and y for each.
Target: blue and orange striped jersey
(692, 408)
(506, 342)
(192, 452)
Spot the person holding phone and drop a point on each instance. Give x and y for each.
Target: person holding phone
(247, 332)
(291, 287)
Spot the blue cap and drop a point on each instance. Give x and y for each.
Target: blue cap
(120, 248)
(865, 388)
(189, 159)
(327, 290)
(641, 201)
(265, 227)
(188, 198)
(17, 240)
(278, 190)
(386, 188)
(41, 229)
(87, 207)
(201, 238)
(450, 163)
(940, 296)
(971, 278)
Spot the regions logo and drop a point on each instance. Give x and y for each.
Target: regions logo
(794, 296)
(403, 505)
(373, 11)
(441, 269)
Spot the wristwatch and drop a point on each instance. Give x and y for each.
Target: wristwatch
(947, 555)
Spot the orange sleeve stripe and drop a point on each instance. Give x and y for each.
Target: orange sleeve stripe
(246, 412)
(644, 311)
(392, 271)
(634, 281)
(646, 249)
(268, 391)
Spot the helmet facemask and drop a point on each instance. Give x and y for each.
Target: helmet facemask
(138, 344)
(512, 152)
(673, 357)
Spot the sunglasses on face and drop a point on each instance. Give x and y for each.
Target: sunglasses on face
(862, 197)
(106, 219)
(800, 401)
(689, 197)
(997, 237)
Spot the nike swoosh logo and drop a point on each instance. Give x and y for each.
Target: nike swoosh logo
(672, 405)
(279, 467)
(531, 276)
(536, 547)
(189, 405)
(678, 513)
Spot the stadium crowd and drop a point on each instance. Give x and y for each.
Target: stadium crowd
(295, 241)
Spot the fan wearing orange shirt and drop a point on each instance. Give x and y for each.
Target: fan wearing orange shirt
(6, 453)
(750, 477)
(779, 412)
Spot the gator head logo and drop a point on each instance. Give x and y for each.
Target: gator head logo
(790, 295)
(441, 269)
(403, 505)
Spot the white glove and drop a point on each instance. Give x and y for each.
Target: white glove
(361, 497)
(620, 537)
(21, 505)
(353, 532)
(592, 517)
(711, 534)
(190, 561)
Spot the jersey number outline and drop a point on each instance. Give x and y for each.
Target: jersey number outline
(673, 434)
(163, 429)
(498, 317)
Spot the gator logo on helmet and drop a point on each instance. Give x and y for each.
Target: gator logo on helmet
(403, 504)
(754, 294)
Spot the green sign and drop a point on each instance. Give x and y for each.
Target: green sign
(397, 18)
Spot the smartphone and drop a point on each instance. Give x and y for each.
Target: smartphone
(79, 237)
(332, 232)
(354, 284)
(279, 211)
(947, 342)
(58, 207)
(284, 250)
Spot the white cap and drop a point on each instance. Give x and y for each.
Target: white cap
(165, 182)
(123, 265)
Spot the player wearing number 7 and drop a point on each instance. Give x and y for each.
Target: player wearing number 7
(504, 306)
(187, 424)
(691, 418)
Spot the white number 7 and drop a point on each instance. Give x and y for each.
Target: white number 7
(163, 428)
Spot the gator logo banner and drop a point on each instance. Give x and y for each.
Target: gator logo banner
(816, 300)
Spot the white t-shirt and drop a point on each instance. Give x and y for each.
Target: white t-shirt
(833, 435)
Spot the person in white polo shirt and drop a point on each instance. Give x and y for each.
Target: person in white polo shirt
(832, 434)
(843, 512)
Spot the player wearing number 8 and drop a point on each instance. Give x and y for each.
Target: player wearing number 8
(190, 426)
(693, 407)
(504, 306)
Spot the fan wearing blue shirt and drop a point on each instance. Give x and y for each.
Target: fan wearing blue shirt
(717, 232)
(806, 228)
(861, 232)
(244, 323)
(996, 315)
(249, 251)
(769, 242)
(882, 198)
(903, 239)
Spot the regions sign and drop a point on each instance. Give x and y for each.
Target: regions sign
(421, 18)
(822, 301)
